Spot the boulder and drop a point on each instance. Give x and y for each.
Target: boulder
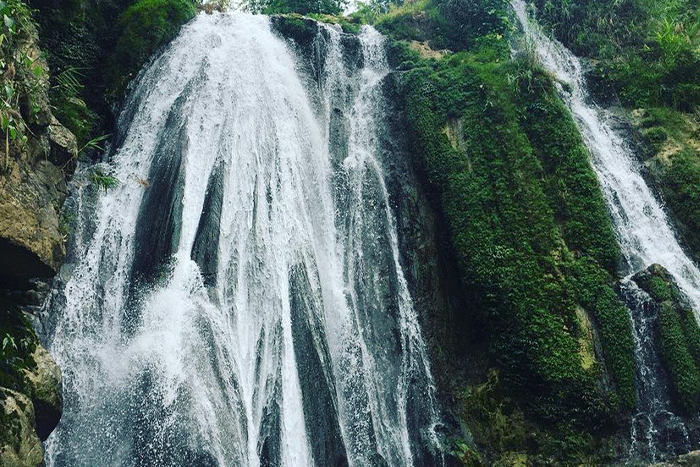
(19, 444)
(44, 385)
(31, 241)
(660, 285)
(63, 145)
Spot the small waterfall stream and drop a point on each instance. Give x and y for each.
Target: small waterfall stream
(643, 231)
(238, 299)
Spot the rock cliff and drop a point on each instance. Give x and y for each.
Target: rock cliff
(37, 155)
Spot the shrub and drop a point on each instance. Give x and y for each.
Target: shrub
(680, 183)
(17, 342)
(269, 7)
(445, 24)
(683, 369)
(648, 49)
(145, 26)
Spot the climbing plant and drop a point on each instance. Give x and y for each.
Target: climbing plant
(15, 67)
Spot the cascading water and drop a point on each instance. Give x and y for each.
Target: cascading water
(642, 229)
(240, 300)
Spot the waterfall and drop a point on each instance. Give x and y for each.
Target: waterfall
(641, 225)
(642, 229)
(238, 299)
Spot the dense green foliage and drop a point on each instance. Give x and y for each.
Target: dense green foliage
(17, 342)
(445, 24)
(146, 26)
(681, 189)
(19, 73)
(93, 57)
(591, 286)
(647, 49)
(304, 7)
(683, 368)
(678, 336)
(529, 227)
(673, 138)
(79, 39)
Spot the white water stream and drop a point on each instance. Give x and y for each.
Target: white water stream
(642, 227)
(233, 306)
(643, 231)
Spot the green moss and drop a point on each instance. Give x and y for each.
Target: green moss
(294, 26)
(680, 183)
(675, 352)
(503, 431)
(692, 333)
(349, 24)
(660, 289)
(74, 114)
(145, 26)
(510, 173)
(303, 7)
(592, 287)
(572, 187)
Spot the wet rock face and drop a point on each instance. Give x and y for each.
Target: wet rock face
(45, 388)
(32, 179)
(19, 443)
(31, 241)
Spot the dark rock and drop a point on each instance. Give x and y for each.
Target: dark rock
(19, 443)
(600, 87)
(205, 247)
(64, 148)
(313, 360)
(45, 388)
(300, 30)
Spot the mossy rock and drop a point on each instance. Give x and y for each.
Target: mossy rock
(145, 27)
(296, 27)
(678, 336)
(19, 444)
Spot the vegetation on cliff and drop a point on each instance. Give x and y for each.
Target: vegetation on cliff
(503, 165)
(20, 69)
(17, 343)
(96, 48)
(645, 55)
(145, 26)
(531, 233)
(646, 51)
(678, 335)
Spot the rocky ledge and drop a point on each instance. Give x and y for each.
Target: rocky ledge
(28, 415)
(692, 459)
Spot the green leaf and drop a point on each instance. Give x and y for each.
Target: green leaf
(13, 132)
(9, 23)
(9, 91)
